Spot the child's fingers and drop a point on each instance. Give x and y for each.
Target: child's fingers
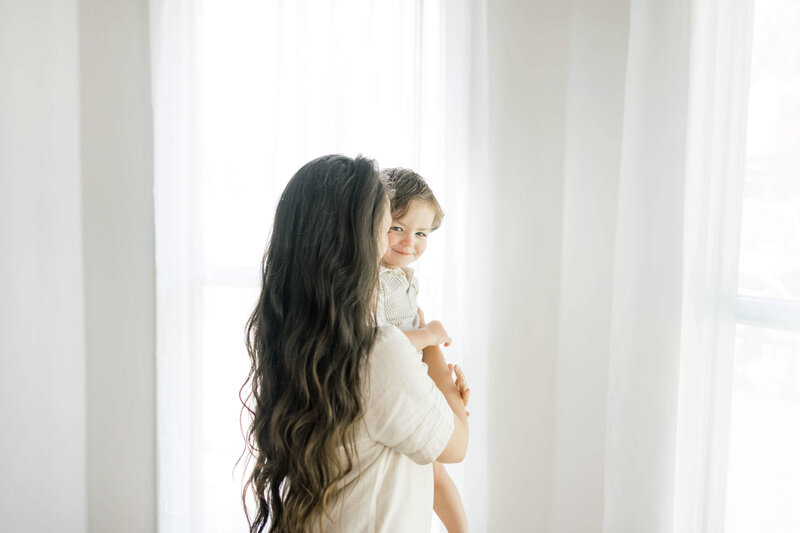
(465, 397)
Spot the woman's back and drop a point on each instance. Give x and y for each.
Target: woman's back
(406, 425)
(309, 336)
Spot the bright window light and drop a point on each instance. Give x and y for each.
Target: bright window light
(763, 483)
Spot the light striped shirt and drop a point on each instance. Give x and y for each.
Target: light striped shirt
(397, 300)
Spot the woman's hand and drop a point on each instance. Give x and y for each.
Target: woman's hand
(456, 448)
(461, 383)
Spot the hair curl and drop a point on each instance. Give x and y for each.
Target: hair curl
(308, 337)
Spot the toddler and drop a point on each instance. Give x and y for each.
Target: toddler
(415, 214)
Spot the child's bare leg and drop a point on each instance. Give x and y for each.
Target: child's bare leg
(447, 502)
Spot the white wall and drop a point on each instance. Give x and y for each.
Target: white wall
(42, 378)
(76, 236)
(118, 243)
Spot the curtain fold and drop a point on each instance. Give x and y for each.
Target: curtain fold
(179, 444)
(673, 205)
(676, 257)
(648, 273)
(598, 46)
(718, 95)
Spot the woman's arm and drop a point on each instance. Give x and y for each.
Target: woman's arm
(456, 447)
(404, 408)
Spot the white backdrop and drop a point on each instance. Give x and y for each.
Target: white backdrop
(77, 313)
(588, 156)
(42, 342)
(585, 257)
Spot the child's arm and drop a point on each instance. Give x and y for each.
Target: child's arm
(447, 502)
(431, 334)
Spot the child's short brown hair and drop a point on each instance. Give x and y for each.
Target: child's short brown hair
(405, 186)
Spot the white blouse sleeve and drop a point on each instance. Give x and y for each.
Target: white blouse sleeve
(404, 409)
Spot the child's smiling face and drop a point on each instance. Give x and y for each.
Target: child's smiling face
(408, 235)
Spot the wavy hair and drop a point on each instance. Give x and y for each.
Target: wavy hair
(308, 337)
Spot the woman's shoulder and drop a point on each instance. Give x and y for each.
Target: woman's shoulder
(390, 340)
(392, 349)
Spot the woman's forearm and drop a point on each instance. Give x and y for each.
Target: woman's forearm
(440, 374)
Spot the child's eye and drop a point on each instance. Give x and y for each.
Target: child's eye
(396, 228)
(421, 234)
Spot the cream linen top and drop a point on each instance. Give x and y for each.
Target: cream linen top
(397, 299)
(406, 425)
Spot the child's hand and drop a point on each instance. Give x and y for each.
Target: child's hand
(461, 383)
(421, 317)
(437, 334)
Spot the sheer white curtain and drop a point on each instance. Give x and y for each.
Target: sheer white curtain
(587, 158)
(616, 147)
(246, 92)
(675, 265)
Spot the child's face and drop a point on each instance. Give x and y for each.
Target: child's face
(408, 235)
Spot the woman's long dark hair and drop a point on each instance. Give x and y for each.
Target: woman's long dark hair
(311, 331)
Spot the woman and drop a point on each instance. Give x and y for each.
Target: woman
(345, 419)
